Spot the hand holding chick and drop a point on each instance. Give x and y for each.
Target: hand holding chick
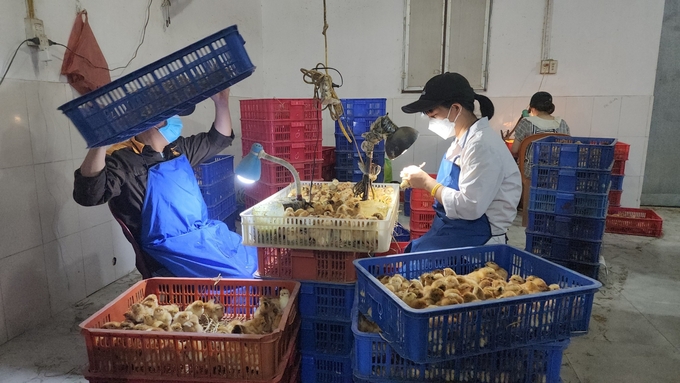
(415, 177)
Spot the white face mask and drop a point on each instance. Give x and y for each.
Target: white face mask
(443, 128)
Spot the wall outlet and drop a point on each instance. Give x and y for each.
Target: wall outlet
(553, 67)
(545, 67)
(35, 28)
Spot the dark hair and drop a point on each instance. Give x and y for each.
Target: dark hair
(542, 101)
(485, 105)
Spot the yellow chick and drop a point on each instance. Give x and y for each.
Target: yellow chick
(554, 287)
(151, 301)
(436, 295)
(449, 272)
(190, 326)
(112, 325)
(284, 297)
(172, 308)
(502, 273)
(160, 314)
(516, 280)
(176, 327)
(196, 308)
(469, 297)
(136, 313)
(182, 317)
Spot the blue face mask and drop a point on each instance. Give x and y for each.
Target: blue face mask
(172, 130)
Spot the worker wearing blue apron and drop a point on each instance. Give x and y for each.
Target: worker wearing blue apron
(446, 232)
(176, 230)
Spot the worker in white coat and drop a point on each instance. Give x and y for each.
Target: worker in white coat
(478, 184)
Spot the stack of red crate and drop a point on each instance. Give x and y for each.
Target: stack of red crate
(328, 170)
(286, 128)
(618, 170)
(422, 212)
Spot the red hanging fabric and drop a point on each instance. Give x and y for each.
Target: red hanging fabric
(84, 64)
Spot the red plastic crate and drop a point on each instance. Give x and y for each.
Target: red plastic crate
(312, 265)
(421, 220)
(291, 152)
(277, 131)
(421, 199)
(281, 109)
(619, 168)
(621, 151)
(328, 172)
(328, 154)
(140, 356)
(258, 191)
(631, 221)
(273, 173)
(615, 198)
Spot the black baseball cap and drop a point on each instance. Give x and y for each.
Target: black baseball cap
(445, 87)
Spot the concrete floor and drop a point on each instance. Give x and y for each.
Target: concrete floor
(634, 331)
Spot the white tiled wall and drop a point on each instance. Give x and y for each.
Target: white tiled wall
(48, 242)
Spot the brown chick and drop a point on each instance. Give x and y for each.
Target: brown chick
(451, 281)
(161, 325)
(112, 325)
(367, 325)
(127, 324)
(384, 279)
(439, 284)
(479, 293)
(469, 297)
(196, 308)
(436, 295)
(151, 301)
(489, 292)
(160, 314)
(235, 326)
(449, 301)
(426, 279)
(529, 287)
(176, 327)
(540, 284)
(214, 311)
(465, 288)
(222, 329)
(256, 325)
(136, 313)
(415, 285)
(486, 282)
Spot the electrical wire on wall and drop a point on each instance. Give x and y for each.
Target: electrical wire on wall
(12, 60)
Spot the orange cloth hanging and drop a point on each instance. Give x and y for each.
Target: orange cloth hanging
(84, 64)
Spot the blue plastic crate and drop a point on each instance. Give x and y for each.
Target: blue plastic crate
(564, 249)
(140, 100)
(231, 221)
(324, 368)
(326, 336)
(407, 195)
(218, 191)
(617, 182)
(400, 234)
(341, 143)
(590, 270)
(326, 300)
(450, 332)
(581, 204)
(407, 209)
(223, 209)
(354, 175)
(574, 152)
(374, 360)
(570, 180)
(363, 107)
(566, 226)
(215, 169)
(358, 125)
(350, 159)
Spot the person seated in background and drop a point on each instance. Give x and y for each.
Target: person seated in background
(540, 120)
(478, 184)
(151, 185)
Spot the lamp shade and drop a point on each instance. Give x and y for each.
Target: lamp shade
(401, 139)
(249, 169)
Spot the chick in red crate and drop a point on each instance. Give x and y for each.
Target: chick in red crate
(478, 184)
(149, 184)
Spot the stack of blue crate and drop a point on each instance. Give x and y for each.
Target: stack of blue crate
(568, 200)
(359, 114)
(215, 178)
(326, 338)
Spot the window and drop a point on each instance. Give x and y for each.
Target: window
(445, 36)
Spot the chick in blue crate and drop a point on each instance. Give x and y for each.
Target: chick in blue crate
(150, 186)
(478, 184)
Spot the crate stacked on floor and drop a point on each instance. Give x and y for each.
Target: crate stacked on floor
(215, 178)
(289, 129)
(568, 200)
(618, 170)
(359, 114)
(520, 339)
(328, 169)
(422, 213)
